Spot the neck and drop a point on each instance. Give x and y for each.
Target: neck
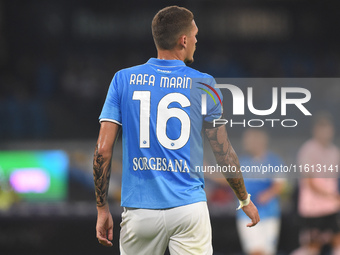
(169, 55)
(323, 143)
(259, 154)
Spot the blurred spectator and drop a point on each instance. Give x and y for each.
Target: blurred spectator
(7, 195)
(319, 199)
(263, 238)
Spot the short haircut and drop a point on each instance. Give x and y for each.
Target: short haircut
(169, 24)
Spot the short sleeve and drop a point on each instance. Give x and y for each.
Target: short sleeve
(111, 110)
(214, 102)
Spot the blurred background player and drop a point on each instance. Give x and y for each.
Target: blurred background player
(265, 192)
(319, 200)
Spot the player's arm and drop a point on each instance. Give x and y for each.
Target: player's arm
(273, 191)
(320, 190)
(312, 182)
(226, 156)
(101, 175)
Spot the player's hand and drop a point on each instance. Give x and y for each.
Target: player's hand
(104, 226)
(251, 211)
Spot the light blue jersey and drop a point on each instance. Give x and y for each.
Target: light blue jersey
(257, 185)
(159, 105)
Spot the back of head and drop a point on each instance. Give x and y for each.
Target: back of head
(169, 24)
(323, 128)
(322, 118)
(255, 141)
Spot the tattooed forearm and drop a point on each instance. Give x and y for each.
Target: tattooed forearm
(101, 176)
(226, 156)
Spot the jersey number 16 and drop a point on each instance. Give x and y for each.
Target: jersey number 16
(163, 115)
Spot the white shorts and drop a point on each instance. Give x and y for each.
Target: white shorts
(185, 229)
(262, 237)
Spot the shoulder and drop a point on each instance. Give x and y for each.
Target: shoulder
(195, 73)
(308, 146)
(308, 152)
(245, 159)
(199, 78)
(274, 157)
(131, 69)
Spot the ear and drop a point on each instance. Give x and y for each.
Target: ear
(183, 41)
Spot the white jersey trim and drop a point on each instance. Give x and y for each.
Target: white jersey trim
(110, 120)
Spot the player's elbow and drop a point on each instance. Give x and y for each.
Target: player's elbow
(104, 151)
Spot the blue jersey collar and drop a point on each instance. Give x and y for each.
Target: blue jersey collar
(165, 63)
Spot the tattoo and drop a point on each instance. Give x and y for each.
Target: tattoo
(101, 176)
(226, 156)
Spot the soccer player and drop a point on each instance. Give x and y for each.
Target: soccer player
(158, 104)
(319, 198)
(262, 240)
